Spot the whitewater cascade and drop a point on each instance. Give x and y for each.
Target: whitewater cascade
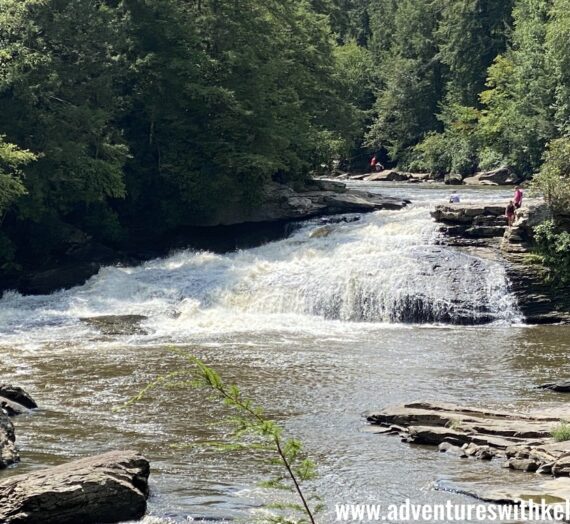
(386, 267)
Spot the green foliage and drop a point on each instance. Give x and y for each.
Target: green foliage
(553, 181)
(406, 106)
(12, 160)
(561, 433)
(554, 247)
(253, 430)
(432, 155)
(518, 120)
(153, 114)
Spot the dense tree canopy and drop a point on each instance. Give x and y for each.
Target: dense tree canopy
(118, 115)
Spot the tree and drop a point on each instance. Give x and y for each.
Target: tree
(412, 84)
(12, 160)
(518, 120)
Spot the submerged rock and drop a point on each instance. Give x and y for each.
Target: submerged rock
(112, 487)
(117, 324)
(559, 387)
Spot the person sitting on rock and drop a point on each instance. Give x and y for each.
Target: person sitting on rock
(454, 198)
(518, 197)
(510, 213)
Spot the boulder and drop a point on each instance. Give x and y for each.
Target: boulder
(453, 179)
(107, 488)
(388, 175)
(17, 395)
(501, 176)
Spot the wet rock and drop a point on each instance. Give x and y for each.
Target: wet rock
(8, 452)
(559, 387)
(530, 466)
(447, 447)
(112, 487)
(13, 401)
(17, 395)
(524, 441)
(453, 180)
(314, 198)
(388, 175)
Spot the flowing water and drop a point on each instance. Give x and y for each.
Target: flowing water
(334, 320)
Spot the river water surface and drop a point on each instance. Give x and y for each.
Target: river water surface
(318, 328)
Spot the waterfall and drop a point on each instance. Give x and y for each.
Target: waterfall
(387, 267)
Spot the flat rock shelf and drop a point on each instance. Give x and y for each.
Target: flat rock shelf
(517, 441)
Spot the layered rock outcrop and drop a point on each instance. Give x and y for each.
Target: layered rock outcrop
(485, 226)
(519, 441)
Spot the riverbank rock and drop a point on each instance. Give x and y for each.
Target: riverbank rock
(13, 401)
(522, 442)
(471, 221)
(8, 452)
(482, 229)
(453, 179)
(502, 176)
(112, 487)
(314, 198)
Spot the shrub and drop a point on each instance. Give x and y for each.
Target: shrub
(554, 247)
(561, 433)
(553, 181)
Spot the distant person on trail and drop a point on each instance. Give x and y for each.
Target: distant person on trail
(510, 213)
(518, 197)
(454, 198)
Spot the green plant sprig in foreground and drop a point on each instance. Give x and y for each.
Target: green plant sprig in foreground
(249, 420)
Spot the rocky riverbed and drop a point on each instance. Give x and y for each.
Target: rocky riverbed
(112, 487)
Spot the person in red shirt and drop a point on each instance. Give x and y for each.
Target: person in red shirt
(373, 163)
(518, 197)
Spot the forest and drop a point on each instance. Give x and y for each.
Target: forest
(121, 116)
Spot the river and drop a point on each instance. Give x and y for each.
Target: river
(318, 328)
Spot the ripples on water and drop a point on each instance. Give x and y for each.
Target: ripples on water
(319, 327)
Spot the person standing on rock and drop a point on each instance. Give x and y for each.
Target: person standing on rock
(518, 197)
(510, 213)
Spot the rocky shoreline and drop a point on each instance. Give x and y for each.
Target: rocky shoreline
(518, 441)
(501, 176)
(112, 487)
(482, 229)
(234, 228)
